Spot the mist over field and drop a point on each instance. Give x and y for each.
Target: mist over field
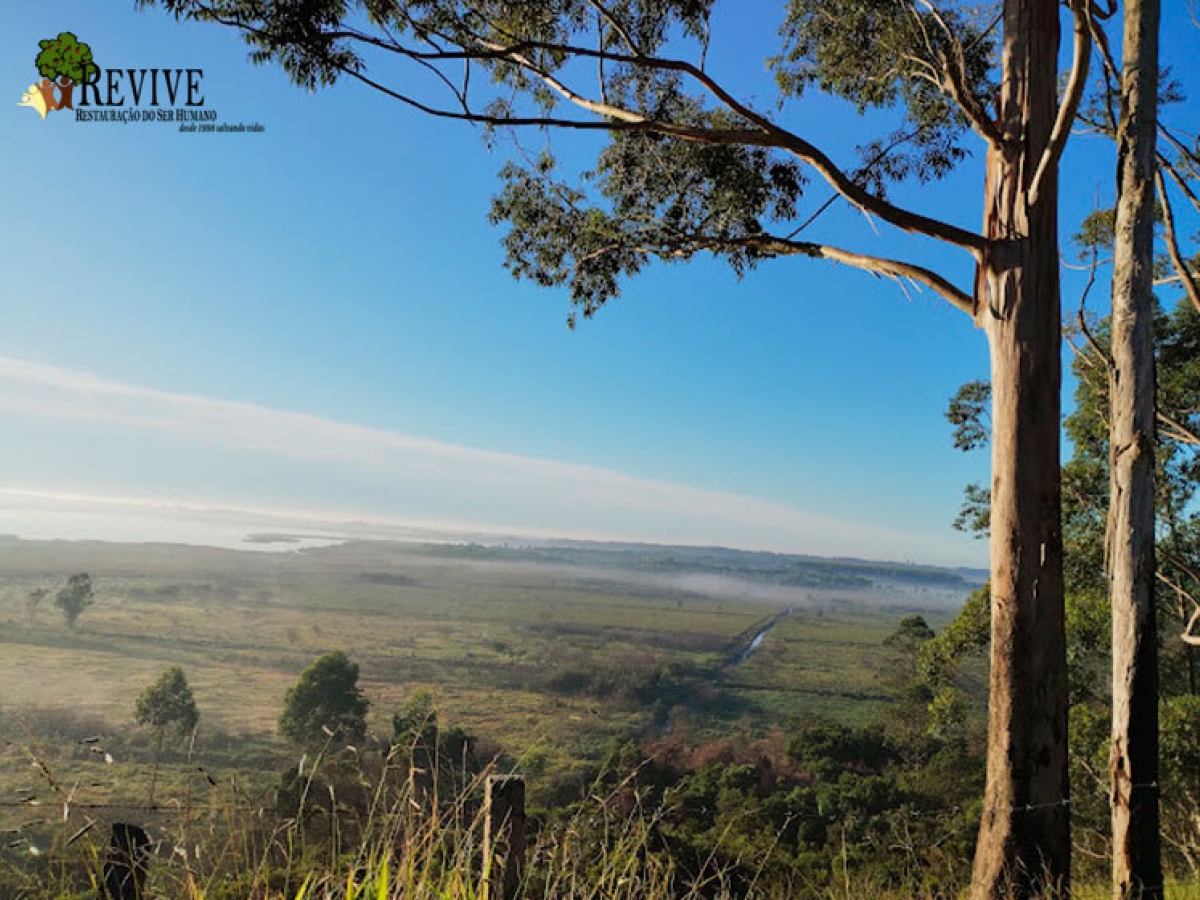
(248, 618)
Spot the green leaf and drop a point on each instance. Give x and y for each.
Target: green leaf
(382, 880)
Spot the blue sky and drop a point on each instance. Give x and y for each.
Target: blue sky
(316, 319)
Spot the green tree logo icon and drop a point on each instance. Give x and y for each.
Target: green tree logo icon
(63, 63)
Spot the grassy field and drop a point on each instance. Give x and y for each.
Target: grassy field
(546, 654)
(514, 645)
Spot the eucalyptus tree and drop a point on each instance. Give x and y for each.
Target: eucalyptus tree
(1133, 766)
(691, 167)
(166, 703)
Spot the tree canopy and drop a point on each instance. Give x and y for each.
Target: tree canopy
(325, 704)
(689, 168)
(168, 702)
(75, 597)
(66, 57)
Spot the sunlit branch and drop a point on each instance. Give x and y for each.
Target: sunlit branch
(953, 83)
(768, 133)
(770, 245)
(1070, 102)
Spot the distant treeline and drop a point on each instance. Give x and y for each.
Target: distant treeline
(772, 568)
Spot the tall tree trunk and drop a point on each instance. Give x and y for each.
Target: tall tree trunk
(1024, 839)
(1133, 766)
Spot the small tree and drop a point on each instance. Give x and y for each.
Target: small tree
(168, 702)
(63, 62)
(165, 703)
(75, 597)
(325, 704)
(440, 756)
(415, 729)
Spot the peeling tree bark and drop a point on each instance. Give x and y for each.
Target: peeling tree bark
(1133, 766)
(1023, 849)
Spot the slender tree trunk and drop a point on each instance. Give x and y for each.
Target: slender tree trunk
(1023, 849)
(1133, 766)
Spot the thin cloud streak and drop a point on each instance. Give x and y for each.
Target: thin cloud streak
(421, 480)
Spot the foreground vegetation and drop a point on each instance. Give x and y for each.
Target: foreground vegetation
(679, 738)
(829, 811)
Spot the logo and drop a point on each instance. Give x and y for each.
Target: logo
(63, 63)
(71, 79)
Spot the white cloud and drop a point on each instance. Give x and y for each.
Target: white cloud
(315, 463)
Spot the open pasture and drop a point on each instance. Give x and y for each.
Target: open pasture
(545, 655)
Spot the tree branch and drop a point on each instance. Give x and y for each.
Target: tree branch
(954, 84)
(1190, 285)
(1082, 319)
(685, 132)
(1076, 84)
(770, 245)
(1187, 154)
(1188, 637)
(772, 136)
(1177, 431)
(769, 134)
(1180, 182)
(616, 26)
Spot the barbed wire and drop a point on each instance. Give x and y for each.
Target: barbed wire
(135, 806)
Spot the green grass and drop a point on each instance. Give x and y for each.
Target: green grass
(483, 635)
(487, 637)
(486, 633)
(220, 848)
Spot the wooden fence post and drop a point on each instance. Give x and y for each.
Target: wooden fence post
(503, 837)
(125, 864)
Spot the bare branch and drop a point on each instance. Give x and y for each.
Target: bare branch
(1071, 98)
(616, 26)
(1177, 431)
(700, 135)
(954, 83)
(1188, 636)
(1168, 166)
(1190, 633)
(860, 174)
(1190, 285)
(1190, 157)
(1081, 319)
(771, 245)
